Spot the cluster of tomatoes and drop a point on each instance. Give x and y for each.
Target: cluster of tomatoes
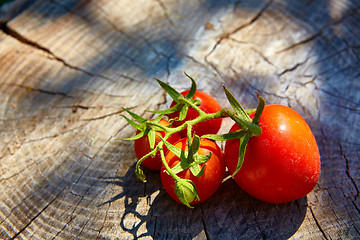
(280, 165)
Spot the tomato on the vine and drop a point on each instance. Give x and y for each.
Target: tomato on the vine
(208, 105)
(280, 165)
(208, 183)
(142, 147)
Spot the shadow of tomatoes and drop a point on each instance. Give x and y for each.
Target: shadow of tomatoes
(229, 214)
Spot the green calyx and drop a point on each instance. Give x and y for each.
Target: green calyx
(185, 189)
(191, 159)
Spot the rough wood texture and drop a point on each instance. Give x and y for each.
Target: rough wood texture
(67, 68)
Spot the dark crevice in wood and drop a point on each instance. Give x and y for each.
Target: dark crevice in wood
(348, 173)
(337, 96)
(254, 19)
(165, 11)
(217, 72)
(71, 218)
(309, 39)
(290, 69)
(49, 92)
(31, 89)
(204, 224)
(318, 224)
(103, 223)
(228, 34)
(352, 109)
(319, 33)
(357, 230)
(86, 156)
(37, 215)
(356, 206)
(13, 33)
(255, 218)
(263, 57)
(294, 67)
(103, 116)
(115, 27)
(7, 178)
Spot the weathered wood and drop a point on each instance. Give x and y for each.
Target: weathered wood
(68, 67)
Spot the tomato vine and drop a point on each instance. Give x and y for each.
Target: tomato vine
(185, 189)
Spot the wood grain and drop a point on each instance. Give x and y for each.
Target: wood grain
(67, 68)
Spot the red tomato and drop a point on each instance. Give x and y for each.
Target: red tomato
(208, 105)
(213, 174)
(283, 163)
(142, 147)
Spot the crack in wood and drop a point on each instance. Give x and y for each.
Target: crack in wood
(337, 96)
(165, 12)
(71, 218)
(317, 223)
(250, 22)
(352, 109)
(302, 42)
(117, 29)
(44, 91)
(14, 175)
(206, 231)
(320, 32)
(35, 191)
(348, 172)
(356, 206)
(263, 57)
(104, 221)
(36, 216)
(13, 33)
(255, 218)
(292, 68)
(82, 197)
(102, 116)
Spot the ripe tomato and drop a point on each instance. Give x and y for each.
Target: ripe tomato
(208, 183)
(283, 163)
(208, 105)
(142, 147)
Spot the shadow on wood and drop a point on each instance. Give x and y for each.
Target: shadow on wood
(229, 214)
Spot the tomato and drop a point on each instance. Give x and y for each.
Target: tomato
(208, 105)
(283, 163)
(208, 183)
(142, 147)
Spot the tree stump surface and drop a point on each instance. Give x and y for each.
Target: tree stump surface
(67, 69)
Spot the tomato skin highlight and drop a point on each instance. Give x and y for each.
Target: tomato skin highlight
(213, 174)
(142, 147)
(283, 163)
(208, 105)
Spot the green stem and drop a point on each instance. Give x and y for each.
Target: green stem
(193, 105)
(223, 113)
(251, 127)
(189, 127)
(167, 167)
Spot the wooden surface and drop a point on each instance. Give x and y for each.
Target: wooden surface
(67, 68)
